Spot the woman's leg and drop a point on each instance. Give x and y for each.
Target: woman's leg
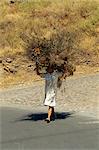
(50, 111)
(50, 114)
(53, 115)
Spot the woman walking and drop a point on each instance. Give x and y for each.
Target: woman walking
(51, 80)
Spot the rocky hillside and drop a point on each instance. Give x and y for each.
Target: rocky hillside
(26, 22)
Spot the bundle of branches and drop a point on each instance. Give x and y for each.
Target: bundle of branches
(56, 51)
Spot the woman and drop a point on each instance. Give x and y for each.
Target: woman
(51, 80)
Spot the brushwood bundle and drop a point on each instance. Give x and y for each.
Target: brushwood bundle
(55, 51)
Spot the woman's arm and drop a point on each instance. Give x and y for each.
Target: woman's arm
(60, 79)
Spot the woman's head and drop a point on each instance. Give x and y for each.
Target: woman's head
(50, 69)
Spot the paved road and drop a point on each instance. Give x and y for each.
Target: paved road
(25, 130)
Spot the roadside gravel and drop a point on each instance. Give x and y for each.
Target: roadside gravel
(76, 94)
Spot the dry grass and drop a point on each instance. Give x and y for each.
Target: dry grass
(21, 21)
(43, 18)
(21, 78)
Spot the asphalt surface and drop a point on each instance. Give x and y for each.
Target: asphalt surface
(22, 129)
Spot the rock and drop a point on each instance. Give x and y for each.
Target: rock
(6, 69)
(12, 2)
(10, 70)
(9, 60)
(0, 60)
(30, 66)
(16, 66)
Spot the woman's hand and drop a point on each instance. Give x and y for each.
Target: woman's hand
(60, 79)
(59, 82)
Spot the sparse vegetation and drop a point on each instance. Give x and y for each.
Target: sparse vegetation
(26, 23)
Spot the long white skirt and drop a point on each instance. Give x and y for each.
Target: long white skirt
(50, 90)
(50, 99)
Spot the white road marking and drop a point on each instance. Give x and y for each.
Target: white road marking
(90, 122)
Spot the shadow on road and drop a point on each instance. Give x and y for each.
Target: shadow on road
(42, 116)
